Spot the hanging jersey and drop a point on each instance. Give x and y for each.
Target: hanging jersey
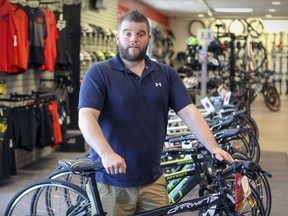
(21, 51)
(37, 34)
(53, 109)
(65, 30)
(50, 49)
(7, 35)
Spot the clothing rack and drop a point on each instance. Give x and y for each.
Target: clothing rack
(38, 96)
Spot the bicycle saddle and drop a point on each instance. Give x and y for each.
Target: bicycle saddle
(81, 165)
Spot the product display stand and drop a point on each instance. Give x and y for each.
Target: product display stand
(205, 36)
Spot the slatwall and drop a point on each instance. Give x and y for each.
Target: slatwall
(105, 17)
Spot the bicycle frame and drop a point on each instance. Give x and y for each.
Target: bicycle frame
(183, 180)
(208, 204)
(212, 201)
(221, 201)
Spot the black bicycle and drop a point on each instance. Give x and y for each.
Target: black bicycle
(58, 197)
(251, 84)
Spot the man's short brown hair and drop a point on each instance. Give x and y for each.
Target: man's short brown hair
(135, 16)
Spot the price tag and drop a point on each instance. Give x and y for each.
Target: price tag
(207, 105)
(227, 98)
(245, 186)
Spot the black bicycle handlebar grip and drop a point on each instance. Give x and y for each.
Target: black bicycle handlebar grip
(250, 165)
(182, 138)
(240, 112)
(231, 132)
(238, 166)
(226, 122)
(222, 123)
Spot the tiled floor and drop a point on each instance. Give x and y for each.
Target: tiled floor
(273, 141)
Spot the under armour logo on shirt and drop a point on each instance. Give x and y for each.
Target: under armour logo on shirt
(158, 84)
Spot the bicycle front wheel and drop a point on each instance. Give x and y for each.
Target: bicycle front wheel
(49, 197)
(252, 207)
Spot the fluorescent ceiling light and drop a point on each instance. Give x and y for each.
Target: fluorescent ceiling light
(276, 3)
(272, 10)
(234, 10)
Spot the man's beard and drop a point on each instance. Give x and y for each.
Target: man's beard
(124, 52)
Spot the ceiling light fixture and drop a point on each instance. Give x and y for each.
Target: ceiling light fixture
(272, 10)
(188, 2)
(276, 3)
(234, 10)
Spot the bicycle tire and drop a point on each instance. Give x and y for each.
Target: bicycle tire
(237, 27)
(255, 28)
(263, 189)
(194, 26)
(252, 126)
(258, 208)
(31, 200)
(271, 98)
(69, 176)
(253, 145)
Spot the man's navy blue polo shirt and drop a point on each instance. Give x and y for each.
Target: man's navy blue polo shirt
(134, 114)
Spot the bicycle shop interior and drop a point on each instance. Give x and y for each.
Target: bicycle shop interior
(232, 51)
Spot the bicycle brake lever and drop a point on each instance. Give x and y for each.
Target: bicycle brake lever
(269, 175)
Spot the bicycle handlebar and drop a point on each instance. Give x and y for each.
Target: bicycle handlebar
(240, 166)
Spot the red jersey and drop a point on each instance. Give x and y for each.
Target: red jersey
(21, 51)
(7, 35)
(53, 109)
(50, 49)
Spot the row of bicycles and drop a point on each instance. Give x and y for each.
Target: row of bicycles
(197, 183)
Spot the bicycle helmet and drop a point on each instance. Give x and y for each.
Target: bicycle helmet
(100, 55)
(215, 45)
(192, 41)
(190, 82)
